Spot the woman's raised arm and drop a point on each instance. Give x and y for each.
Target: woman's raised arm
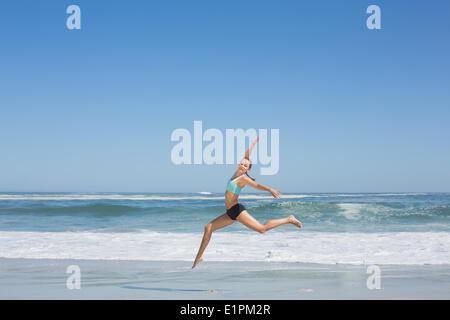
(249, 151)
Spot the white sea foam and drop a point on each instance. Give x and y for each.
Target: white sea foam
(403, 248)
(354, 211)
(351, 210)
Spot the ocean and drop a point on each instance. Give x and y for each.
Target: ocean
(338, 228)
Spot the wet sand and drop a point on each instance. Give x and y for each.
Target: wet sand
(109, 279)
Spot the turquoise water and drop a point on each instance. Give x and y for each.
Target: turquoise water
(103, 212)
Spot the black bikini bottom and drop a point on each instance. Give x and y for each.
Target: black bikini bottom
(235, 210)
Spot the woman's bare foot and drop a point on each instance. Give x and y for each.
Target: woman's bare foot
(197, 261)
(294, 221)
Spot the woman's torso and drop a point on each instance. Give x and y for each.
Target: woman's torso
(232, 192)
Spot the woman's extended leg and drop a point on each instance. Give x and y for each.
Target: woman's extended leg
(220, 222)
(253, 224)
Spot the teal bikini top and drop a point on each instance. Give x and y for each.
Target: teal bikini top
(233, 187)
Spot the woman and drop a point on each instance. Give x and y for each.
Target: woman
(236, 211)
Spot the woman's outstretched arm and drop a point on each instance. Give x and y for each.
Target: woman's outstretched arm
(273, 192)
(249, 151)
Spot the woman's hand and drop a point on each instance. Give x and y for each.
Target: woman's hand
(275, 193)
(255, 141)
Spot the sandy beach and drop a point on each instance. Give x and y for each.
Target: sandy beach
(103, 279)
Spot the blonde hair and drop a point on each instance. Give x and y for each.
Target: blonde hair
(249, 167)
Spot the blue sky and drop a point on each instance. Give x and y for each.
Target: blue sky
(92, 110)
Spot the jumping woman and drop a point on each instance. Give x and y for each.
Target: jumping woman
(236, 211)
